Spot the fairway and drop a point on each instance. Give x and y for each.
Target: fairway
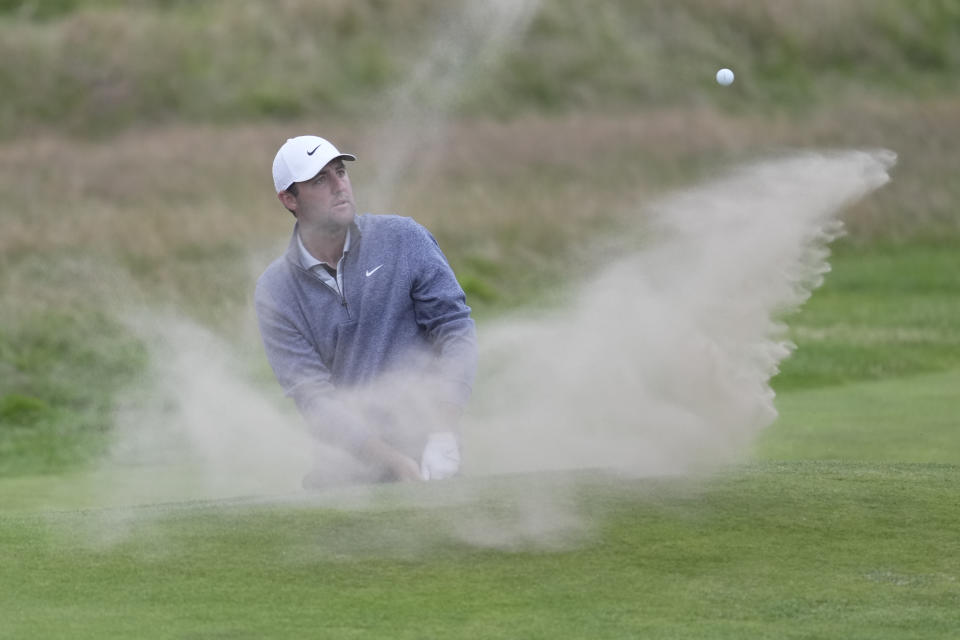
(771, 550)
(718, 323)
(825, 534)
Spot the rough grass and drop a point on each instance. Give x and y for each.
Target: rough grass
(183, 218)
(99, 65)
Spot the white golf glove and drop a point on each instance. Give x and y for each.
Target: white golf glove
(441, 456)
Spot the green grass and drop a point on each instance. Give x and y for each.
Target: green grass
(62, 373)
(771, 550)
(883, 311)
(841, 526)
(911, 419)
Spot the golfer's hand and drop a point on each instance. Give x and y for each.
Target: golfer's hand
(395, 463)
(441, 456)
(404, 468)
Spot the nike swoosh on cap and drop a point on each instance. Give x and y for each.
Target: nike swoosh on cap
(370, 272)
(310, 153)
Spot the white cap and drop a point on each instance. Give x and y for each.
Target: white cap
(301, 158)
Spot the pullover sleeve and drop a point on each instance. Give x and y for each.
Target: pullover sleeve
(304, 377)
(442, 312)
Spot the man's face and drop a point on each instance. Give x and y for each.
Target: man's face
(324, 201)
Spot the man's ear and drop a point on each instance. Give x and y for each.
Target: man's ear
(288, 201)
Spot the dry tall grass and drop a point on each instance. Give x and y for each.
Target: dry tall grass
(103, 65)
(187, 213)
(154, 192)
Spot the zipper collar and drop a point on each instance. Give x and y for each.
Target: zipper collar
(292, 253)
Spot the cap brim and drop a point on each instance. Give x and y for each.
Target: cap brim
(317, 167)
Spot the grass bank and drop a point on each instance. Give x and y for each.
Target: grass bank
(545, 153)
(181, 219)
(100, 66)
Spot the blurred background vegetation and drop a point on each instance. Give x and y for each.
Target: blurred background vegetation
(99, 66)
(136, 138)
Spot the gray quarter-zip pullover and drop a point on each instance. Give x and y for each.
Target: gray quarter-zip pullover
(399, 311)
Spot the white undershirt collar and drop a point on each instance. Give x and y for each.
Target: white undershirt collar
(314, 266)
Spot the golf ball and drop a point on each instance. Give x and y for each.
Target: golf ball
(725, 77)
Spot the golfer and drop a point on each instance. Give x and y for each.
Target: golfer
(365, 325)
